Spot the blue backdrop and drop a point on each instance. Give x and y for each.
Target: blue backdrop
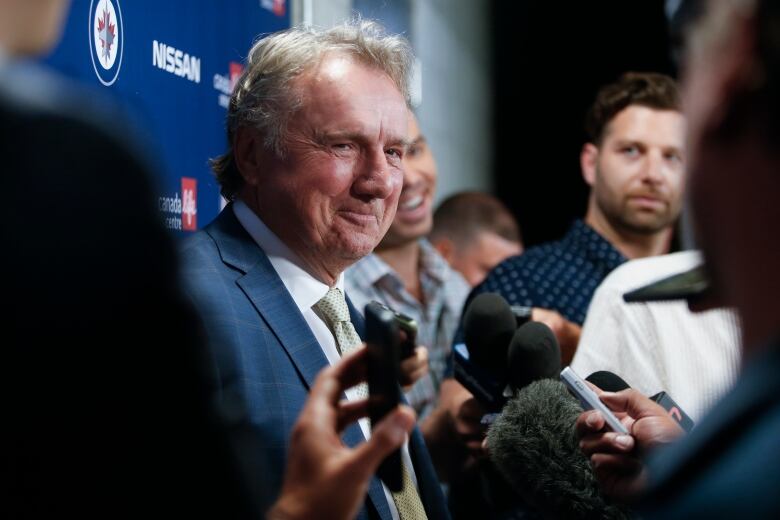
(172, 63)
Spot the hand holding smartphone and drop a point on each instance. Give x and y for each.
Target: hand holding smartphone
(589, 400)
(407, 329)
(382, 343)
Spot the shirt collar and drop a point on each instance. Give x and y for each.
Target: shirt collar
(371, 269)
(432, 263)
(304, 288)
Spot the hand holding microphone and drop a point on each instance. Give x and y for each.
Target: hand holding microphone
(615, 457)
(534, 446)
(497, 357)
(533, 443)
(497, 353)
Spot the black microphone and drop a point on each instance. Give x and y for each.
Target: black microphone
(488, 326)
(534, 446)
(534, 354)
(480, 364)
(610, 382)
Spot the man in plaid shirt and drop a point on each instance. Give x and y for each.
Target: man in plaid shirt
(407, 274)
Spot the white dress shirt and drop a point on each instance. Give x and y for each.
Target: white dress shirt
(655, 346)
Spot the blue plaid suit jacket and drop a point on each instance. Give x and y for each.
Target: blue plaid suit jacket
(265, 358)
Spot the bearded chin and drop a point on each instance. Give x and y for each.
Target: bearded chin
(627, 219)
(647, 225)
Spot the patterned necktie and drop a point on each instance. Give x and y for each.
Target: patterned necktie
(333, 307)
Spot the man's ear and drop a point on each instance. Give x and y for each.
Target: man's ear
(588, 158)
(248, 153)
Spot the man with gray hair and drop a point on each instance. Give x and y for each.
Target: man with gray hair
(317, 130)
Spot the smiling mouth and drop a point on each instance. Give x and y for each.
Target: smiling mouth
(358, 217)
(412, 203)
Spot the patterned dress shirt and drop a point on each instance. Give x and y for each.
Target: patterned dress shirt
(444, 291)
(561, 275)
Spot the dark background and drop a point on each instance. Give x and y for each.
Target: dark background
(550, 59)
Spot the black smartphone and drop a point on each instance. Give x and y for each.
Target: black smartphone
(689, 285)
(407, 328)
(382, 343)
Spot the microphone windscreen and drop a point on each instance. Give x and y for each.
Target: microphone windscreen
(607, 381)
(534, 446)
(534, 354)
(488, 325)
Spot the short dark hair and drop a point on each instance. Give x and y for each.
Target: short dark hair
(463, 215)
(647, 89)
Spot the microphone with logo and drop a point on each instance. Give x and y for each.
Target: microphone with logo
(613, 383)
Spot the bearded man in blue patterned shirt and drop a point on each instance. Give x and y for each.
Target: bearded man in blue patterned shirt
(634, 164)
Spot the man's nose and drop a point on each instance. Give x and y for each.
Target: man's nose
(654, 169)
(376, 178)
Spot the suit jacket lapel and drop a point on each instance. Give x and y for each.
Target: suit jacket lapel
(427, 480)
(268, 294)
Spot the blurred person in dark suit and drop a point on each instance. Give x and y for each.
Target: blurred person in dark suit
(105, 397)
(729, 465)
(406, 273)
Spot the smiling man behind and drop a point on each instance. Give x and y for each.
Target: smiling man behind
(406, 273)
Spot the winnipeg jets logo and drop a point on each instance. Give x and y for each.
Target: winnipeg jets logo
(106, 33)
(106, 37)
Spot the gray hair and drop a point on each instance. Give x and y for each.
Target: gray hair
(263, 96)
